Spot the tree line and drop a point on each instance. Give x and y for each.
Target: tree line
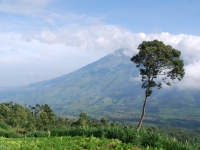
(41, 117)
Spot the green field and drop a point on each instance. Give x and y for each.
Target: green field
(62, 143)
(80, 143)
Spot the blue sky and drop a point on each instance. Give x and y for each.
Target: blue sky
(41, 40)
(174, 16)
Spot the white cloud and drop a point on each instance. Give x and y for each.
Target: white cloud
(97, 38)
(192, 76)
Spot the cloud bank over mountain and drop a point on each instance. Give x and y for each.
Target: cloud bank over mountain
(48, 45)
(109, 38)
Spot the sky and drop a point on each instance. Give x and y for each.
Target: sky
(44, 39)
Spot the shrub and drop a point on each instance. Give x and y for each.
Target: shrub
(9, 134)
(4, 126)
(37, 134)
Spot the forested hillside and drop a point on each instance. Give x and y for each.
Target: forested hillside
(109, 87)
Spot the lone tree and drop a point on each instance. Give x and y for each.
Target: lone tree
(155, 59)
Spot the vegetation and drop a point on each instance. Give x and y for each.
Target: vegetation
(98, 138)
(39, 117)
(157, 59)
(63, 142)
(39, 127)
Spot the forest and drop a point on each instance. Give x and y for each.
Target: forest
(21, 124)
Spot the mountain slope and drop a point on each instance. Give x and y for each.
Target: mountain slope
(105, 88)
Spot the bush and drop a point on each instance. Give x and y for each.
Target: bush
(4, 126)
(9, 134)
(37, 134)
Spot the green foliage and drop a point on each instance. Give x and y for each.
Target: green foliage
(40, 117)
(80, 142)
(37, 134)
(82, 121)
(4, 126)
(66, 142)
(9, 134)
(181, 134)
(157, 59)
(144, 138)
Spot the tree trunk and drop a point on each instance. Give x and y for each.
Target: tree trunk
(143, 111)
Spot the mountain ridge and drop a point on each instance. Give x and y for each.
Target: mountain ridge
(105, 88)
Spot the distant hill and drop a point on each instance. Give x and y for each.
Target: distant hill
(106, 88)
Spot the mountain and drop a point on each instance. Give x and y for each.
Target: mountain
(106, 88)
